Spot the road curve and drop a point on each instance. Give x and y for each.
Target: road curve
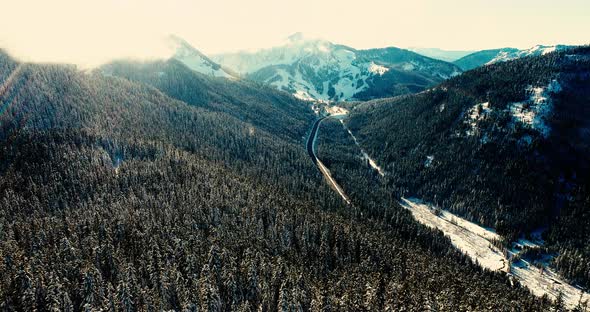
(323, 169)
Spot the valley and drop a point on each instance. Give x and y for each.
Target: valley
(310, 145)
(189, 157)
(478, 243)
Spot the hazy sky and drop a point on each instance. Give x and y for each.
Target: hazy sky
(89, 32)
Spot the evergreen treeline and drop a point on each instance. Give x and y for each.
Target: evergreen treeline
(116, 197)
(495, 171)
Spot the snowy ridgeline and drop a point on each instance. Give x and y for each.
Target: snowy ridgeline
(350, 75)
(509, 54)
(316, 69)
(313, 69)
(196, 60)
(475, 241)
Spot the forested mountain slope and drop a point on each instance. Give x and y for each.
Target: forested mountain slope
(114, 196)
(505, 145)
(248, 101)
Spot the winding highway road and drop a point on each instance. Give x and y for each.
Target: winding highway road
(323, 169)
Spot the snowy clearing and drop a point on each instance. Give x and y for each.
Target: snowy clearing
(534, 112)
(476, 242)
(336, 111)
(377, 69)
(302, 95)
(475, 114)
(471, 239)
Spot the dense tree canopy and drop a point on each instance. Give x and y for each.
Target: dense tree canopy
(117, 195)
(485, 165)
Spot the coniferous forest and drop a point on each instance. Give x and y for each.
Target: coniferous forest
(459, 146)
(122, 191)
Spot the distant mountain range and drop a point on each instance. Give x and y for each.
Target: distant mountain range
(316, 69)
(485, 57)
(319, 70)
(439, 54)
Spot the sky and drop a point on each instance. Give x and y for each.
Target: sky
(91, 32)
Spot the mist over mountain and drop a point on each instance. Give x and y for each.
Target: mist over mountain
(195, 60)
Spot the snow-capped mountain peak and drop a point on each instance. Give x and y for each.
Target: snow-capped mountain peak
(321, 70)
(194, 59)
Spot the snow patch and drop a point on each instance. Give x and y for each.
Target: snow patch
(408, 67)
(470, 238)
(336, 111)
(377, 69)
(475, 241)
(302, 95)
(534, 112)
(428, 161)
(548, 50)
(198, 64)
(475, 114)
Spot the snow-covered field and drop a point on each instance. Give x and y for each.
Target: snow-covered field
(471, 239)
(475, 241)
(336, 111)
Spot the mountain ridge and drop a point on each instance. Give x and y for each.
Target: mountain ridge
(505, 145)
(197, 60)
(316, 69)
(491, 56)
